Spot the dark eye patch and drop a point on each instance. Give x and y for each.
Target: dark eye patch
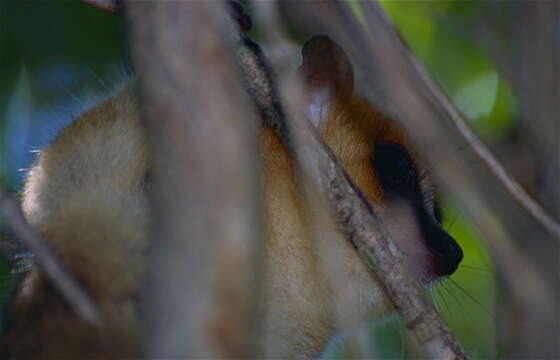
(395, 170)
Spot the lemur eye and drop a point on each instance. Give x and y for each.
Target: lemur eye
(395, 170)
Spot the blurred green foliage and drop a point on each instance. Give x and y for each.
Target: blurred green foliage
(455, 61)
(55, 54)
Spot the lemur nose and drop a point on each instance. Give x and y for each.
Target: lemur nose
(450, 257)
(446, 252)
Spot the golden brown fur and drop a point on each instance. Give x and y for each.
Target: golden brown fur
(300, 301)
(86, 196)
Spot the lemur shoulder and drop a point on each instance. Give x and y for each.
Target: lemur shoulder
(86, 195)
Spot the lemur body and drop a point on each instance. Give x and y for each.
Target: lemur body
(86, 195)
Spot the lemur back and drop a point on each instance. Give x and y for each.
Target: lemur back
(86, 195)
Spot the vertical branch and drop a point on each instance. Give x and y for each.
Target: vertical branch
(205, 180)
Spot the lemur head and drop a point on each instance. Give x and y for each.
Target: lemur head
(380, 158)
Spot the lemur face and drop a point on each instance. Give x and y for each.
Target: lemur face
(412, 213)
(381, 159)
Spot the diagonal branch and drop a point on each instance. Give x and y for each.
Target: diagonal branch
(423, 113)
(481, 150)
(48, 262)
(375, 15)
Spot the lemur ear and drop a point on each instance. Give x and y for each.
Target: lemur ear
(327, 73)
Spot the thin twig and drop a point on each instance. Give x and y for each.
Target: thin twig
(48, 262)
(513, 187)
(482, 151)
(421, 115)
(495, 167)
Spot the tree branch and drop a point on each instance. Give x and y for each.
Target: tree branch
(48, 262)
(205, 193)
(481, 150)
